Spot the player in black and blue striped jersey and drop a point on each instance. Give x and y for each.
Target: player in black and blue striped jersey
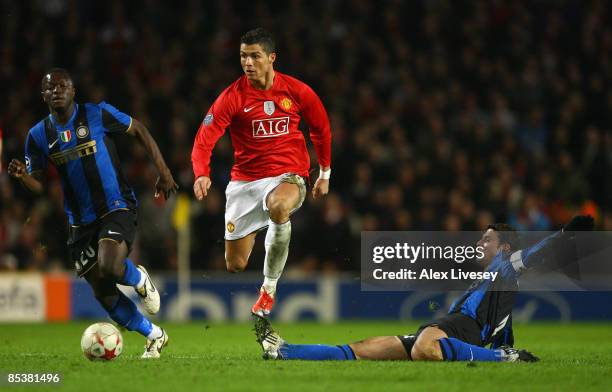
(481, 317)
(79, 140)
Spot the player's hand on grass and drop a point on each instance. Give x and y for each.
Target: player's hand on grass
(201, 186)
(165, 185)
(321, 187)
(16, 168)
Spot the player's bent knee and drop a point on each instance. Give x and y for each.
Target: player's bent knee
(109, 268)
(426, 350)
(279, 210)
(111, 257)
(234, 268)
(236, 264)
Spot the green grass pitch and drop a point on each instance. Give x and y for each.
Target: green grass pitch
(209, 357)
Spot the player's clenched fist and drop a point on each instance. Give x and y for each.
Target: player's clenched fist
(16, 168)
(200, 187)
(321, 187)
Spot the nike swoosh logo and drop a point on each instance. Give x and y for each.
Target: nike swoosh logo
(113, 232)
(53, 144)
(151, 283)
(246, 110)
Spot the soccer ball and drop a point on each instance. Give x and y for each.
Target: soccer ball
(101, 342)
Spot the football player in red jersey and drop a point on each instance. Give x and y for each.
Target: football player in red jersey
(262, 110)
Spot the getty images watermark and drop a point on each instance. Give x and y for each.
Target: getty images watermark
(422, 252)
(540, 261)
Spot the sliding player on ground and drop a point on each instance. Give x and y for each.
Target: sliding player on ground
(481, 316)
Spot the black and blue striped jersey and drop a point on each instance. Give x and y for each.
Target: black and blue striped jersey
(490, 302)
(83, 151)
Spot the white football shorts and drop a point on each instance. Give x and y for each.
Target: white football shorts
(245, 208)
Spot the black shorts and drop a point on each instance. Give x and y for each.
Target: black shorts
(83, 241)
(455, 325)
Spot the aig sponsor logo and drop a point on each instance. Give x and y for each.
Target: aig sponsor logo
(270, 127)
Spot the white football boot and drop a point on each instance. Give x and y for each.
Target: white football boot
(154, 347)
(148, 293)
(510, 354)
(270, 340)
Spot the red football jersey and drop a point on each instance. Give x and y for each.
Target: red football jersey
(264, 129)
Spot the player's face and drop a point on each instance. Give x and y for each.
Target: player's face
(490, 246)
(256, 63)
(57, 91)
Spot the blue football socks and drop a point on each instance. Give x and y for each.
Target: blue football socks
(131, 276)
(316, 352)
(457, 350)
(126, 313)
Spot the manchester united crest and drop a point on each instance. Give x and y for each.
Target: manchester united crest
(286, 103)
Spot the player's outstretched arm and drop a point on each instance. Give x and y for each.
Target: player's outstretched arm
(580, 223)
(33, 182)
(165, 183)
(559, 246)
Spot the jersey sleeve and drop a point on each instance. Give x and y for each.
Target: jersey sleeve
(215, 122)
(536, 254)
(34, 156)
(316, 117)
(114, 120)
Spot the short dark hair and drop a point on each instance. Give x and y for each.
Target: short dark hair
(56, 70)
(507, 234)
(259, 36)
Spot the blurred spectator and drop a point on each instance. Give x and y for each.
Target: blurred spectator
(445, 115)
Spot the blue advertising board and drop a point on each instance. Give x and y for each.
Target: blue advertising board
(330, 299)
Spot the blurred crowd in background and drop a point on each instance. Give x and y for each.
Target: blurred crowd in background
(446, 115)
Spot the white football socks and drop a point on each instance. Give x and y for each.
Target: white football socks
(277, 250)
(156, 333)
